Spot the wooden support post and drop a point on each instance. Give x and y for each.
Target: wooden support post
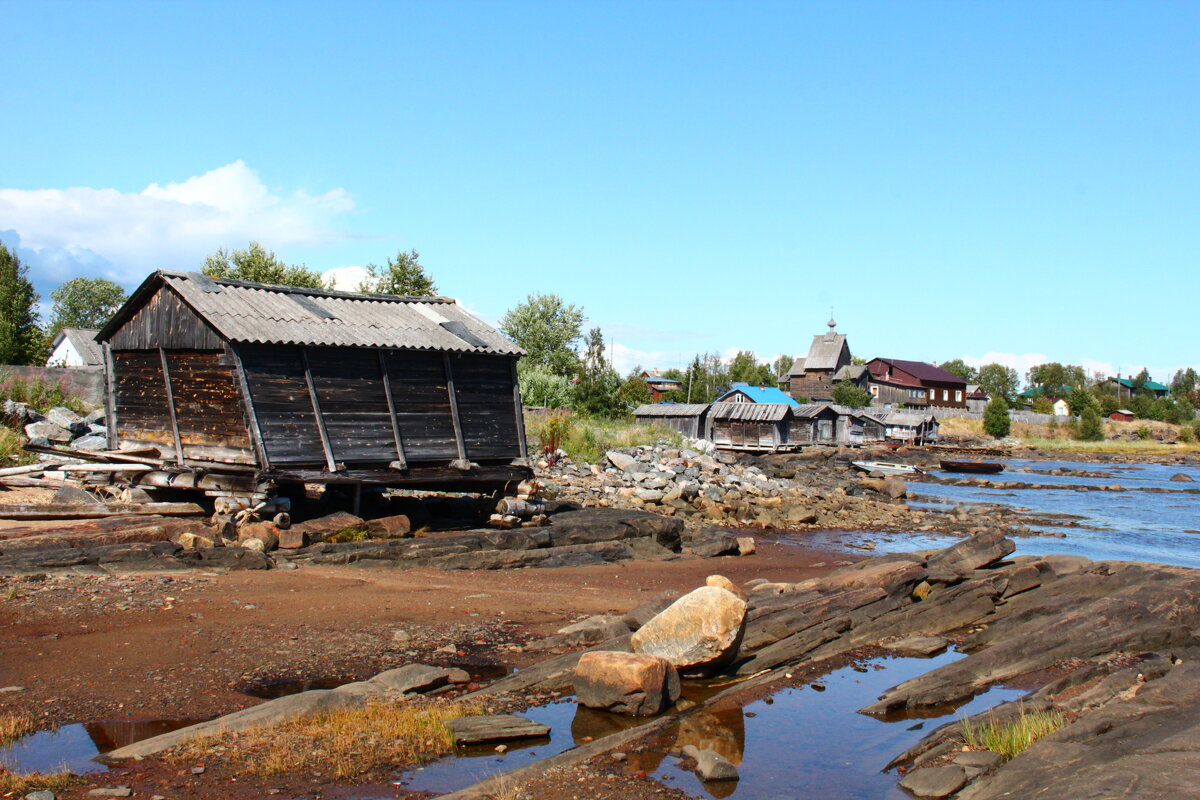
(401, 462)
(330, 464)
(462, 462)
(110, 397)
(250, 414)
(520, 411)
(162, 354)
(356, 499)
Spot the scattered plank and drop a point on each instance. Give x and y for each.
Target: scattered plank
(60, 511)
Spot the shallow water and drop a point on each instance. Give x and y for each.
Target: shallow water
(1158, 527)
(797, 742)
(74, 746)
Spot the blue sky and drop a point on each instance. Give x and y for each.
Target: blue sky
(955, 179)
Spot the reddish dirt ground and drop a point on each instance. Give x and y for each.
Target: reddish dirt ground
(183, 645)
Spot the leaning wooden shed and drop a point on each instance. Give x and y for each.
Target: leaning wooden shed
(759, 427)
(687, 418)
(242, 385)
(814, 423)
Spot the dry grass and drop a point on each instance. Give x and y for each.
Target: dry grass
(14, 785)
(1121, 437)
(589, 438)
(13, 727)
(344, 743)
(1011, 736)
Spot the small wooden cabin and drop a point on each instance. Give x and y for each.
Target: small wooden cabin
(759, 427)
(286, 384)
(813, 424)
(908, 427)
(687, 418)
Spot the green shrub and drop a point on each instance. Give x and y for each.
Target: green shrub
(1089, 429)
(1143, 432)
(1186, 435)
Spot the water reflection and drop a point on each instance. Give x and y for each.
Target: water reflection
(75, 746)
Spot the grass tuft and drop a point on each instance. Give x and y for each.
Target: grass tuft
(1011, 736)
(344, 742)
(589, 438)
(13, 727)
(15, 785)
(11, 452)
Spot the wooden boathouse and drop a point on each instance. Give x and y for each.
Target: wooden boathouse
(757, 427)
(687, 418)
(266, 385)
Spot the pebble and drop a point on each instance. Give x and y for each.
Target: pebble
(40, 794)
(111, 791)
(12, 689)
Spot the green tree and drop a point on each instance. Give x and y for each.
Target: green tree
(541, 387)
(1042, 405)
(403, 275)
(1184, 383)
(1080, 400)
(961, 369)
(1090, 428)
(848, 393)
(1053, 377)
(781, 366)
(595, 393)
(999, 381)
(548, 330)
(1140, 380)
(744, 368)
(633, 392)
(996, 421)
(257, 264)
(84, 303)
(21, 340)
(705, 378)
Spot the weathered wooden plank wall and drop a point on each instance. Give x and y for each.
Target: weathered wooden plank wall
(166, 321)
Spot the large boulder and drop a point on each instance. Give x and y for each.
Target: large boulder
(66, 418)
(626, 683)
(700, 630)
(47, 430)
(976, 552)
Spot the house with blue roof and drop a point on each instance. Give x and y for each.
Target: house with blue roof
(746, 393)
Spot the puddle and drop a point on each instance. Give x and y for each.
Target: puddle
(74, 746)
(796, 743)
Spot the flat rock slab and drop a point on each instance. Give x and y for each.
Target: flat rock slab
(495, 728)
(412, 678)
(935, 781)
(918, 646)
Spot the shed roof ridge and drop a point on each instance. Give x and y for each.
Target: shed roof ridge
(282, 289)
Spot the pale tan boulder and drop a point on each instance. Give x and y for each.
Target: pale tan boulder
(626, 683)
(700, 630)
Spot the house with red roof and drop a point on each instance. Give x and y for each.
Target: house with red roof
(915, 384)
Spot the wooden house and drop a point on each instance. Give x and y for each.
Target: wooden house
(812, 376)
(907, 427)
(815, 423)
(658, 385)
(757, 427)
(977, 398)
(687, 418)
(1122, 415)
(245, 387)
(749, 393)
(894, 381)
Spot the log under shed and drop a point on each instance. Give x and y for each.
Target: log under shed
(236, 383)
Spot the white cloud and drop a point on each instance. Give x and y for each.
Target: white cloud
(626, 358)
(347, 278)
(124, 235)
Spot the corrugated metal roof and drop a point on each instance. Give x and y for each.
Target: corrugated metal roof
(760, 394)
(670, 410)
(251, 312)
(750, 412)
(84, 342)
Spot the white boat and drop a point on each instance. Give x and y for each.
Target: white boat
(887, 468)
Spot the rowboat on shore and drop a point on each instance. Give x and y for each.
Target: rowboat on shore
(981, 467)
(887, 468)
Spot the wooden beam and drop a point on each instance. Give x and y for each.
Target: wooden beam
(330, 464)
(401, 462)
(110, 397)
(520, 410)
(162, 354)
(251, 416)
(458, 434)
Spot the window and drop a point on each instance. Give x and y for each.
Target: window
(874, 390)
(945, 394)
(933, 394)
(957, 396)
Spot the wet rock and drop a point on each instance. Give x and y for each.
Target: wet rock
(746, 545)
(626, 683)
(935, 781)
(1182, 477)
(918, 646)
(974, 553)
(702, 629)
(498, 727)
(710, 765)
